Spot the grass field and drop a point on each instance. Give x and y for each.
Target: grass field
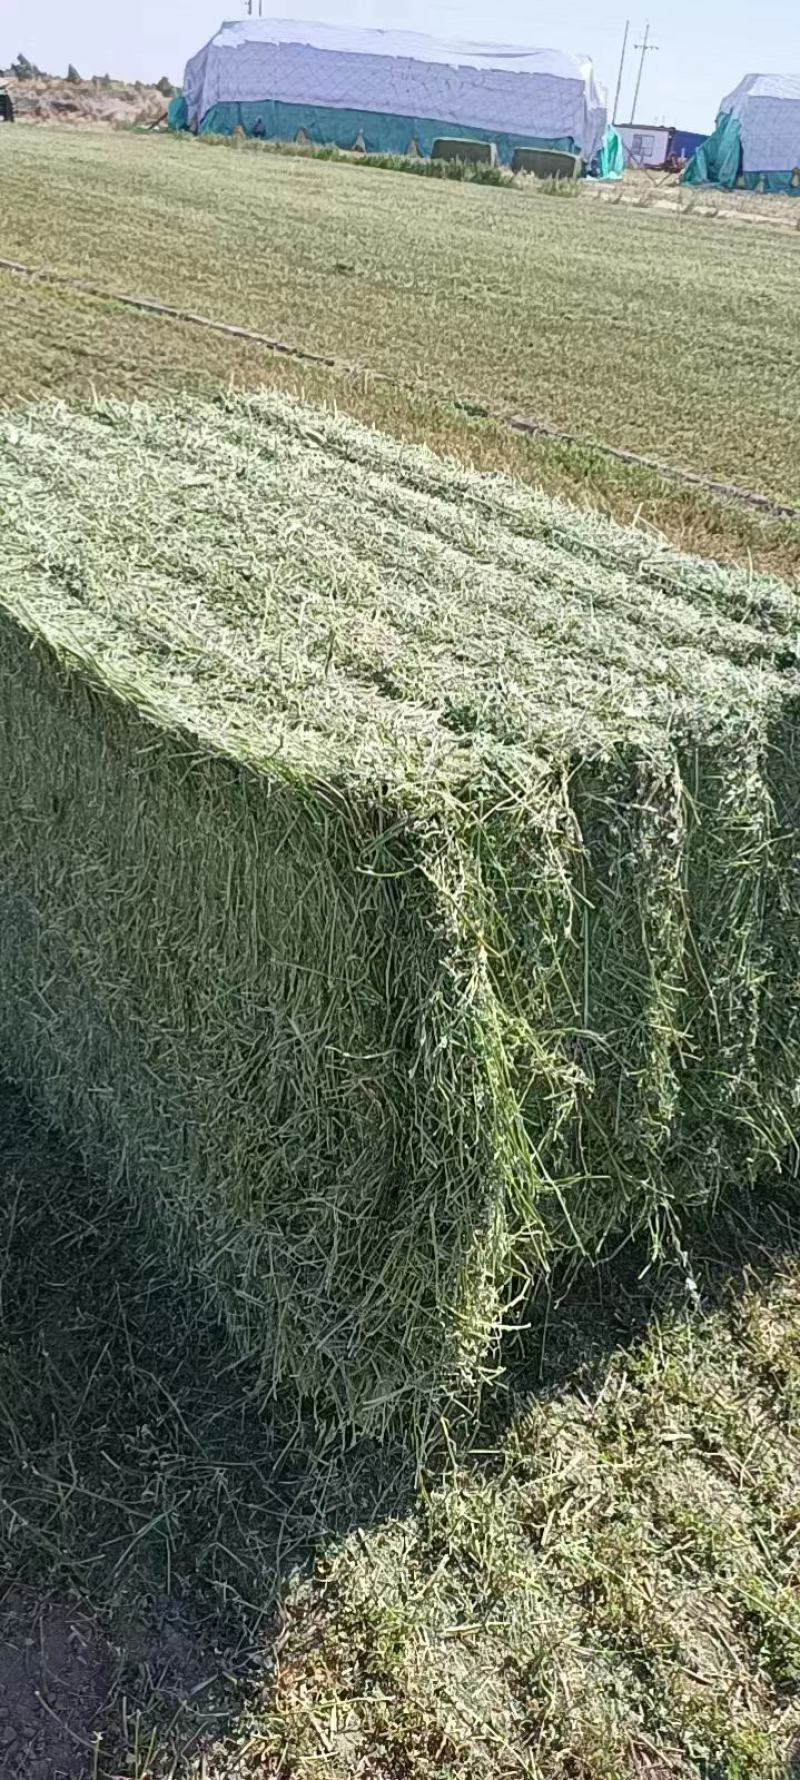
(602, 1584)
(639, 331)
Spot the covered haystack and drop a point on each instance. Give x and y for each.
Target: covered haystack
(756, 140)
(389, 91)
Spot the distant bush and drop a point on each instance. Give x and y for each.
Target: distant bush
(165, 86)
(23, 69)
(72, 74)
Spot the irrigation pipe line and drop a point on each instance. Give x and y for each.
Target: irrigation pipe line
(515, 423)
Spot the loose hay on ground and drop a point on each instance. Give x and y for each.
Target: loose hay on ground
(397, 872)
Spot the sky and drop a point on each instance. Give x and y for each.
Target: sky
(704, 48)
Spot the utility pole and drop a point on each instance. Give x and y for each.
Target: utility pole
(621, 71)
(644, 47)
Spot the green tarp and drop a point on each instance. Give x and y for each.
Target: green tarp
(610, 162)
(178, 113)
(381, 132)
(719, 162)
(772, 182)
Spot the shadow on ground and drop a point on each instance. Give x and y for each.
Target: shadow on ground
(150, 1517)
(576, 1323)
(573, 1324)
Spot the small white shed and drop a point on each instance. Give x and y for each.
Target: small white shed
(645, 145)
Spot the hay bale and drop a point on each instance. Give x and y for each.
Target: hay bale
(466, 149)
(397, 872)
(545, 163)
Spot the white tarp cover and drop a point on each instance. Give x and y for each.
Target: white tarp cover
(535, 92)
(768, 109)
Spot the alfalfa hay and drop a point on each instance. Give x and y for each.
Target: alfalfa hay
(397, 872)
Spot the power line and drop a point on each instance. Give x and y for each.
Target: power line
(644, 46)
(622, 68)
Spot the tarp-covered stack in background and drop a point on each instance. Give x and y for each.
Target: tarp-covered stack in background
(390, 91)
(756, 142)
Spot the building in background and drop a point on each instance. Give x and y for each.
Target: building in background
(389, 91)
(645, 145)
(684, 144)
(657, 145)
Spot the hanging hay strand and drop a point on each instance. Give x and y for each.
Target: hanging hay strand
(398, 880)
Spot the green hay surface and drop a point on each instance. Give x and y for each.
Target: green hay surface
(397, 871)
